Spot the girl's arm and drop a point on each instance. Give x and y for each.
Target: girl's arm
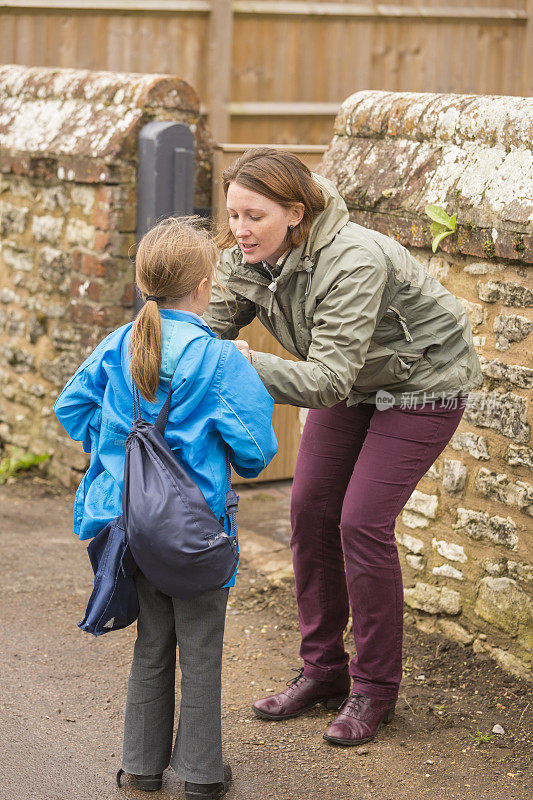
(78, 406)
(244, 418)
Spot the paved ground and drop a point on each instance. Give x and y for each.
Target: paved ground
(62, 692)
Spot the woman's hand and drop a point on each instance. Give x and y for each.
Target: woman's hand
(243, 347)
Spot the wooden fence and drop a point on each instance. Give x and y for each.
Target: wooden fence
(277, 70)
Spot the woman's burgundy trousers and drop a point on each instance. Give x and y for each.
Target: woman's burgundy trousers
(356, 468)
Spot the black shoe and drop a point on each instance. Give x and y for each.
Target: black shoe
(146, 783)
(208, 791)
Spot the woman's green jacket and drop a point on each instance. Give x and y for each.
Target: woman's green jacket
(366, 320)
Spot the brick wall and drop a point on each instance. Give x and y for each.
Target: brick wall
(68, 149)
(466, 534)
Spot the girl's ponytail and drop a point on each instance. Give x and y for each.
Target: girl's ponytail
(146, 352)
(171, 261)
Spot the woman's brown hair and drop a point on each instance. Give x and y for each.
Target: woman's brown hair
(281, 177)
(171, 261)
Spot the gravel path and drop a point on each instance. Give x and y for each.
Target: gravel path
(63, 692)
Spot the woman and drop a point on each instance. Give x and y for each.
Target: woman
(386, 362)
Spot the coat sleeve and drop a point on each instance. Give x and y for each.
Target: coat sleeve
(244, 418)
(343, 324)
(79, 404)
(227, 312)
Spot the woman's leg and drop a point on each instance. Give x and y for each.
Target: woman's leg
(149, 719)
(331, 442)
(197, 754)
(399, 448)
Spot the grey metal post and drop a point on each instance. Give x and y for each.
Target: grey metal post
(165, 175)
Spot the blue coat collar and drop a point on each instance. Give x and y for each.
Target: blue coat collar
(186, 316)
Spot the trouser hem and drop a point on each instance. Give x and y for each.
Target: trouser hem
(185, 774)
(133, 769)
(375, 693)
(327, 676)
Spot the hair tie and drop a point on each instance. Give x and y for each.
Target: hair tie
(153, 297)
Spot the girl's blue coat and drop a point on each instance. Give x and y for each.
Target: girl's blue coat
(217, 397)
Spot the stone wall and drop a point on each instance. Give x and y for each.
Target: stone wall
(466, 533)
(68, 149)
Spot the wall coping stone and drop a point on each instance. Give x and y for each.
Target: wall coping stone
(393, 153)
(77, 125)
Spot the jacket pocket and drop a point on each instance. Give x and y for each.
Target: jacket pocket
(385, 369)
(392, 327)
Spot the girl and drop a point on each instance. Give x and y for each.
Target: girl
(218, 401)
(385, 356)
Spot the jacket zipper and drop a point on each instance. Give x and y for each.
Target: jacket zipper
(309, 271)
(402, 322)
(274, 284)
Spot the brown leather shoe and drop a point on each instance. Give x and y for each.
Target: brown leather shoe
(359, 720)
(304, 693)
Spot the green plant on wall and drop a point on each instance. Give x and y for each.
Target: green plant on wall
(441, 226)
(17, 462)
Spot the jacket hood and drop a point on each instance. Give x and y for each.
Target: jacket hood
(324, 228)
(329, 222)
(188, 358)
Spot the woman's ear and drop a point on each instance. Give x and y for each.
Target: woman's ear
(296, 213)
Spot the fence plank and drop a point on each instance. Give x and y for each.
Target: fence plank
(183, 6)
(278, 7)
(528, 55)
(284, 109)
(220, 60)
(303, 8)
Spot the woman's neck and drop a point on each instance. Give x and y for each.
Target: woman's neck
(274, 260)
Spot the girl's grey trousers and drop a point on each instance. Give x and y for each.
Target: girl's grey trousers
(196, 626)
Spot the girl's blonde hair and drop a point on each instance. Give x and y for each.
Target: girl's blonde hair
(171, 261)
(280, 176)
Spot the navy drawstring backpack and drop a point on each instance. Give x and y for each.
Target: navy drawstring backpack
(113, 603)
(176, 540)
(166, 529)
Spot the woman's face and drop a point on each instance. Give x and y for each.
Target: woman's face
(259, 224)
